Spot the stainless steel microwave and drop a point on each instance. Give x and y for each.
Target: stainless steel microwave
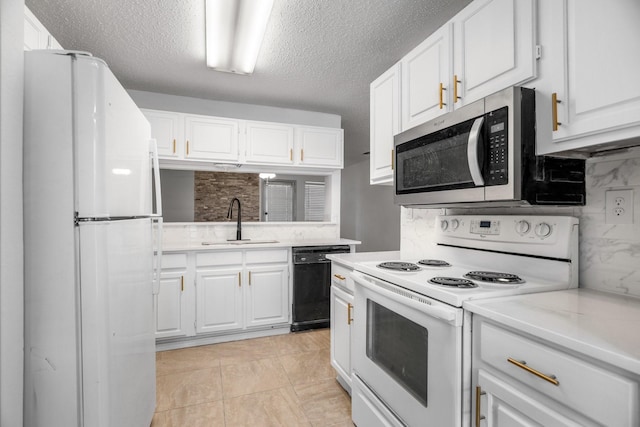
(483, 154)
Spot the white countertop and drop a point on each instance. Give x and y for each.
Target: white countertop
(601, 325)
(224, 246)
(349, 260)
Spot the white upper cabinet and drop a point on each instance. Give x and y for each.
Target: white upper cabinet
(166, 128)
(494, 48)
(36, 36)
(589, 66)
(268, 143)
(211, 138)
(319, 147)
(426, 72)
(384, 124)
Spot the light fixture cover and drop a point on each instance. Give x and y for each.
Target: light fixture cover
(234, 33)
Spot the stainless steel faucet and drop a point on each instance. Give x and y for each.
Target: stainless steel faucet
(230, 215)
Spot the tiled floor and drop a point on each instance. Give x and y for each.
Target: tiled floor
(285, 380)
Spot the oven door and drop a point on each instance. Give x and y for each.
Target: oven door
(407, 353)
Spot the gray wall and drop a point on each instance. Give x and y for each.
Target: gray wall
(11, 244)
(183, 104)
(177, 195)
(367, 211)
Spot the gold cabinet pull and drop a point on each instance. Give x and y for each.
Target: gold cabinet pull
(338, 276)
(522, 364)
(302, 155)
(239, 279)
(349, 318)
(479, 417)
(291, 154)
(182, 283)
(554, 110)
(392, 159)
(187, 147)
(442, 89)
(174, 146)
(455, 88)
(249, 278)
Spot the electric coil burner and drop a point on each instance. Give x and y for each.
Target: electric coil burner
(434, 263)
(453, 281)
(399, 266)
(494, 277)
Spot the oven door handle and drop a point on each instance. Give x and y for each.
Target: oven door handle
(450, 315)
(475, 138)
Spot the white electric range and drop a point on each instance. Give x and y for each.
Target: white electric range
(411, 354)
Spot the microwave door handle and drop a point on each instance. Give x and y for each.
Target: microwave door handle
(472, 152)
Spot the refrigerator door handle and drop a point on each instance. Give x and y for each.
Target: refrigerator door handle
(153, 150)
(158, 257)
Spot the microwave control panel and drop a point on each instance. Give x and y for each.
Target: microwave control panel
(496, 125)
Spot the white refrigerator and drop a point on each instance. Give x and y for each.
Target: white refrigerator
(90, 171)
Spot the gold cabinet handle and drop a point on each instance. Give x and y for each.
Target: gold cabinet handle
(349, 318)
(455, 88)
(522, 364)
(249, 278)
(442, 89)
(174, 146)
(302, 155)
(239, 279)
(554, 110)
(182, 283)
(339, 276)
(479, 417)
(392, 159)
(187, 147)
(291, 154)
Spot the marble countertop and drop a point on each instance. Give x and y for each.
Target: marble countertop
(349, 260)
(257, 244)
(601, 325)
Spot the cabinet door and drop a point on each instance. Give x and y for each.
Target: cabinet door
(218, 300)
(384, 124)
(36, 35)
(592, 65)
(341, 318)
(267, 301)
(494, 45)
(170, 307)
(269, 143)
(211, 138)
(425, 70)
(165, 128)
(319, 146)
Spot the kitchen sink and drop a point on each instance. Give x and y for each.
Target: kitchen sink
(239, 242)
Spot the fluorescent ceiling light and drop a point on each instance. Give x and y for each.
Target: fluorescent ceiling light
(235, 29)
(267, 176)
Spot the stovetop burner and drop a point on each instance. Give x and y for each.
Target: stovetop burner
(434, 263)
(399, 266)
(494, 277)
(453, 281)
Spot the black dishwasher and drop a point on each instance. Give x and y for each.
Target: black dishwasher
(312, 286)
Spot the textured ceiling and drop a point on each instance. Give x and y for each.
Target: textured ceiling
(317, 55)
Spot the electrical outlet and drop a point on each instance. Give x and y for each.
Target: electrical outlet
(618, 206)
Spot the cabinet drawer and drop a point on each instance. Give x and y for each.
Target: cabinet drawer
(218, 258)
(267, 256)
(340, 276)
(174, 261)
(586, 388)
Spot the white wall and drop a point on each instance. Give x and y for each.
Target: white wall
(367, 211)
(609, 254)
(11, 245)
(183, 104)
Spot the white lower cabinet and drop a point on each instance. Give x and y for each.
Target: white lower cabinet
(341, 317)
(173, 303)
(519, 380)
(218, 299)
(267, 295)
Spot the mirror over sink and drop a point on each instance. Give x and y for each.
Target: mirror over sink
(204, 196)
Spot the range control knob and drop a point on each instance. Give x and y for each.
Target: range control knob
(454, 224)
(523, 226)
(444, 224)
(543, 229)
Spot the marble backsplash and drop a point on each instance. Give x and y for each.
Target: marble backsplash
(190, 233)
(609, 253)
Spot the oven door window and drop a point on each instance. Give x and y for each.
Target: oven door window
(399, 346)
(437, 161)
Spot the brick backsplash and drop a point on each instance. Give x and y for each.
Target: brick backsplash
(214, 191)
